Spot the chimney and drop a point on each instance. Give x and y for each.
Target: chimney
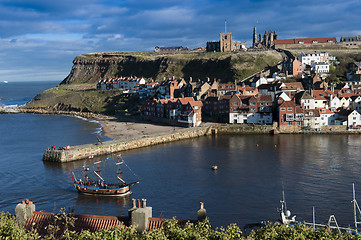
(208, 79)
(24, 211)
(201, 213)
(190, 79)
(140, 215)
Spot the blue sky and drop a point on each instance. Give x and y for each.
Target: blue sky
(40, 38)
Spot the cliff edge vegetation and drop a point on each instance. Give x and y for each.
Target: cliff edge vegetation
(89, 68)
(77, 92)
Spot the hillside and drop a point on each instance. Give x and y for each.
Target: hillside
(77, 92)
(89, 68)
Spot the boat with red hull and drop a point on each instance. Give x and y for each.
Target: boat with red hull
(99, 186)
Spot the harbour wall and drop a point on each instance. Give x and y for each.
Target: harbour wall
(99, 149)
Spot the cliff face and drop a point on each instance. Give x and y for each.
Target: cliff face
(77, 92)
(89, 68)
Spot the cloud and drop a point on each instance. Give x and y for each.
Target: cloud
(47, 35)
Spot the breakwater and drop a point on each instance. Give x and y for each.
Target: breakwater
(99, 149)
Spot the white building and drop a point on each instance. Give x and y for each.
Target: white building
(310, 58)
(327, 116)
(259, 118)
(350, 118)
(320, 67)
(334, 102)
(238, 117)
(345, 102)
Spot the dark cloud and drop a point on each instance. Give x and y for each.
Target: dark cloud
(47, 35)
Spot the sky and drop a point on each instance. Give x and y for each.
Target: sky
(40, 38)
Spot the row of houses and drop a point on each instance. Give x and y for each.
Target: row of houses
(179, 111)
(284, 103)
(124, 83)
(316, 62)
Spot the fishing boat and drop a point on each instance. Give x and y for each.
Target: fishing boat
(100, 186)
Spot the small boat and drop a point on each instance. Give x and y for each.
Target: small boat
(99, 186)
(214, 167)
(5, 81)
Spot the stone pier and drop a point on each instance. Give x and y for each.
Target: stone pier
(99, 149)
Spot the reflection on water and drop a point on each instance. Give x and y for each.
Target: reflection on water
(314, 170)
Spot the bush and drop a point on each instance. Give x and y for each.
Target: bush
(172, 230)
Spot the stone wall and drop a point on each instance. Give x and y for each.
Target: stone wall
(334, 128)
(98, 149)
(243, 129)
(289, 129)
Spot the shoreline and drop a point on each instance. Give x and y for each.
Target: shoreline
(115, 127)
(126, 129)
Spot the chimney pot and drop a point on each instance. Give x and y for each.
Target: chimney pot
(138, 203)
(144, 203)
(134, 203)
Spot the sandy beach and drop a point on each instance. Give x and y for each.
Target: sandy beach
(126, 129)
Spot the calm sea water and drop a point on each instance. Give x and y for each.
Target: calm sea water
(313, 170)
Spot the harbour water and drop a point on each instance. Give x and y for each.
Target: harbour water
(313, 170)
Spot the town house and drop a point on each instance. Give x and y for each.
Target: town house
(216, 108)
(292, 67)
(290, 114)
(312, 119)
(350, 118)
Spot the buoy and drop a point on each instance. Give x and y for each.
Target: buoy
(215, 167)
(257, 145)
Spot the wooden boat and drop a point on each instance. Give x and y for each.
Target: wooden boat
(99, 186)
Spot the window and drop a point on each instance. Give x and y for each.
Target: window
(283, 109)
(289, 109)
(301, 42)
(252, 103)
(235, 104)
(314, 41)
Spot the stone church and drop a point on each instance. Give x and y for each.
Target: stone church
(265, 41)
(225, 44)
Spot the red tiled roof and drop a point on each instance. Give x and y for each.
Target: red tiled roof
(325, 111)
(305, 40)
(265, 98)
(288, 104)
(346, 95)
(196, 103)
(317, 94)
(315, 112)
(186, 100)
(92, 223)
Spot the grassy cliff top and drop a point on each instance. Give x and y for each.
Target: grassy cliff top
(89, 68)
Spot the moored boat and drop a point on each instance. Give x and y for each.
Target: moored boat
(99, 186)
